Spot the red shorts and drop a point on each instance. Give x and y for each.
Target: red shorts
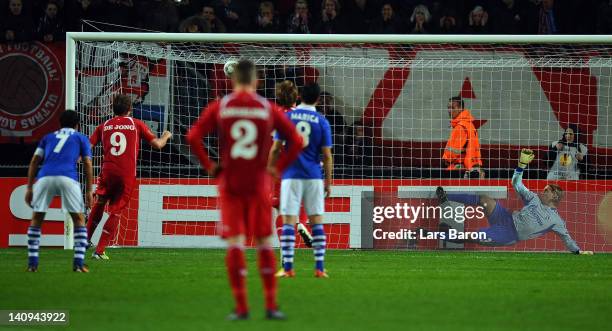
(116, 189)
(245, 215)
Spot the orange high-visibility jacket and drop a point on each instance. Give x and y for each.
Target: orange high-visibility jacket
(463, 147)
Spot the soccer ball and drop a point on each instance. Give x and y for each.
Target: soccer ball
(229, 66)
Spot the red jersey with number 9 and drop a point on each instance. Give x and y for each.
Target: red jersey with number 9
(244, 122)
(120, 137)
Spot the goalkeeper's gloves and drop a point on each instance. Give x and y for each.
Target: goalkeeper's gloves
(527, 156)
(584, 252)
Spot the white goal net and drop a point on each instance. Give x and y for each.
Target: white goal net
(387, 104)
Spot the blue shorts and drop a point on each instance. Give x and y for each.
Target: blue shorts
(501, 230)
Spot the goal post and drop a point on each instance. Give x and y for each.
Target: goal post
(386, 98)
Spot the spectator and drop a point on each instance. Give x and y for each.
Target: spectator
(359, 149)
(338, 127)
(449, 24)
(359, 16)
(568, 154)
(266, 21)
(78, 10)
(299, 75)
(331, 21)
(420, 20)
(387, 22)
(161, 15)
(50, 27)
(477, 21)
(300, 21)
(16, 26)
(230, 13)
(509, 18)
(548, 18)
(194, 24)
(188, 8)
(215, 25)
(335, 119)
(462, 150)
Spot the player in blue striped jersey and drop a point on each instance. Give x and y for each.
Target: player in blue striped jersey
(304, 180)
(538, 217)
(59, 153)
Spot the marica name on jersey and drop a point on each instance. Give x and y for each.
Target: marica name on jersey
(305, 117)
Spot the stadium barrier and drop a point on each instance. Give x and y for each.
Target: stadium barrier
(185, 214)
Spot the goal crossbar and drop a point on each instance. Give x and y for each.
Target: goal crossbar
(73, 37)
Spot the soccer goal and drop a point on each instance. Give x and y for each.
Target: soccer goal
(386, 98)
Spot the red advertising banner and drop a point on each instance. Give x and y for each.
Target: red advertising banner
(183, 213)
(31, 89)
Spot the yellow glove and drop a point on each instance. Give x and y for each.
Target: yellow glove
(527, 156)
(585, 252)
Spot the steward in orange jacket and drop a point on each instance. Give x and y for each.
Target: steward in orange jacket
(463, 147)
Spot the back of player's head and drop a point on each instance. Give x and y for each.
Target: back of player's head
(286, 93)
(310, 93)
(122, 104)
(69, 119)
(458, 100)
(244, 72)
(557, 191)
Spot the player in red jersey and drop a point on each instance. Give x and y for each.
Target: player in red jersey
(120, 138)
(244, 121)
(286, 96)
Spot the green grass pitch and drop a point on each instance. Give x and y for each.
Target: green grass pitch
(187, 289)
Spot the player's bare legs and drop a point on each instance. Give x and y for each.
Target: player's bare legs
(267, 265)
(236, 271)
(77, 219)
(318, 244)
(37, 219)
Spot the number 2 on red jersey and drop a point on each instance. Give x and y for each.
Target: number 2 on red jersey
(244, 132)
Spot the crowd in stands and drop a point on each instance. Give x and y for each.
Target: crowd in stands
(47, 20)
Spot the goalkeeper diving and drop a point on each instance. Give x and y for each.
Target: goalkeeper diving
(538, 217)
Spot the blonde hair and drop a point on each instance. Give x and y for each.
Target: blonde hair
(286, 93)
(420, 9)
(476, 10)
